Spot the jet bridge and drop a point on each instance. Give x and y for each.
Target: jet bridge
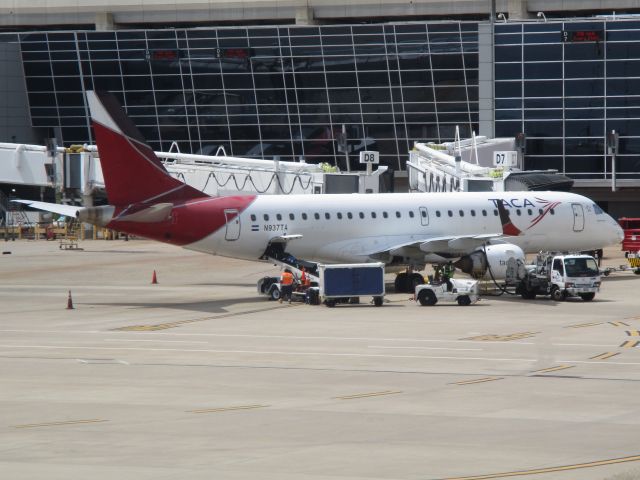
(478, 164)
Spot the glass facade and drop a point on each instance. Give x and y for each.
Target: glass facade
(265, 91)
(565, 85)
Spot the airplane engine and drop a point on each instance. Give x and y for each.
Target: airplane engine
(96, 215)
(477, 263)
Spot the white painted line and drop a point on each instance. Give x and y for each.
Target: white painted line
(427, 348)
(151, 340)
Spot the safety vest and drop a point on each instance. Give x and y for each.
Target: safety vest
(286, 278)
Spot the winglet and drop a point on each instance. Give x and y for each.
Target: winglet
(508, 228)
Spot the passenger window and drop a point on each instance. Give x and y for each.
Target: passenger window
(339, 215)
(540, 211)
(398, 214)
(495, 213)
(278, 216)
(553, 212)
(327, 215)
(349, 215)
(253, 218)
(530, 212)
(373, 214)
(461, 212)
(450, 213)
(304, 216)
(473, 213)
(438, 213)
(316, 216)
(424, 213)
(292, 216)
(411, 213)
(385, 214)
(518, 212)
(361, 214)
(484, 213)
(266, 217)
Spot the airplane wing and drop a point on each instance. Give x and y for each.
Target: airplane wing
(447, 244)
(66, 210)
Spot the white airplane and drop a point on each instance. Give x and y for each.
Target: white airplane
(479, 230)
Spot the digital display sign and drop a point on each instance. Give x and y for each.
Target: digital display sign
(582, 36)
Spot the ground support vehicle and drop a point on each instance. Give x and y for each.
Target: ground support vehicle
(631, 242)
(462, 292)
(560, 276)
(346, 283)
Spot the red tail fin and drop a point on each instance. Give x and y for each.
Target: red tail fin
(132, 172)
(508, 228)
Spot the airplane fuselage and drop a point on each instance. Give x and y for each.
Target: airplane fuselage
(353, 227)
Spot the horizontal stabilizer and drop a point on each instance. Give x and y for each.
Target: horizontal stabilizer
(66, 210)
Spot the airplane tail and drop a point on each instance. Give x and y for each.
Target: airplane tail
(132, 171)
(508, 228)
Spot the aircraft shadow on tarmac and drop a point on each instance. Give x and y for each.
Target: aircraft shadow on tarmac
(212, 306)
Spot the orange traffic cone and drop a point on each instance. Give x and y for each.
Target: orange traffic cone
(154, 279)
(69, 302)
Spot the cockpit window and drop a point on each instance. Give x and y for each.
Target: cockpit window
(597, 209)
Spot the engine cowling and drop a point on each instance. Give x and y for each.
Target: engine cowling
(477, 264)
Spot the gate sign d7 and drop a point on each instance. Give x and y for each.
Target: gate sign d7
(370, 157)
(507, 158)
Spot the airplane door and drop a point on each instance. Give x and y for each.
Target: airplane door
(578, 217)
(424, 216)
(232, 222)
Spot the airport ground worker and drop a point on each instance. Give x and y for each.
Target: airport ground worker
(286, 285)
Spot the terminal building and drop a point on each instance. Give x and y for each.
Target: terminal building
(322, 80)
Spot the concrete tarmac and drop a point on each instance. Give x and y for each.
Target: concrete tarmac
(199, 377)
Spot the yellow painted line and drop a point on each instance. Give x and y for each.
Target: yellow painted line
(479, 380)
(637, 317)
(227, 409)
(582, 325)
(604, 356)
(165, 326)
(633, 333)
(553, 369)
(501, 338)
(365, 395)
(55, 424)
(537, 471)
(619, 324)
(630, 344)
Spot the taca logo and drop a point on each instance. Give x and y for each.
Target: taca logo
(543, 206)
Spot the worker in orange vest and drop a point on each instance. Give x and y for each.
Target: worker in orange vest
(286, 285)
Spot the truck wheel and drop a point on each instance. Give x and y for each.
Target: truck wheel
(377, 301)
(330, 303)
(275, 294)
(558, 295)
(464, 300)
(528, 294)
(587, 297)
(427, 298)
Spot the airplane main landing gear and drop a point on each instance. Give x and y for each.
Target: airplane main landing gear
(406, 282)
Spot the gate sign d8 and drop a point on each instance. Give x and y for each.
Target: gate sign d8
(507, 158)
(370, 157)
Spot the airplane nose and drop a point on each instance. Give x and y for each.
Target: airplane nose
(619, 233)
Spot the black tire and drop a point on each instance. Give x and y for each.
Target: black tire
(587, 297)
(275, 293)
(400, 283)
(464, 300)
(558, 295)
(414, 280)
(378, 301)
(427, 298)
(636, 271)
(528, 294)
(330, 303)
(313, 297)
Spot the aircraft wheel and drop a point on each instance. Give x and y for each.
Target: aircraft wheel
(427, 298)
(400, 283)
(275, 294)
(587, 297)
(464, 300)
